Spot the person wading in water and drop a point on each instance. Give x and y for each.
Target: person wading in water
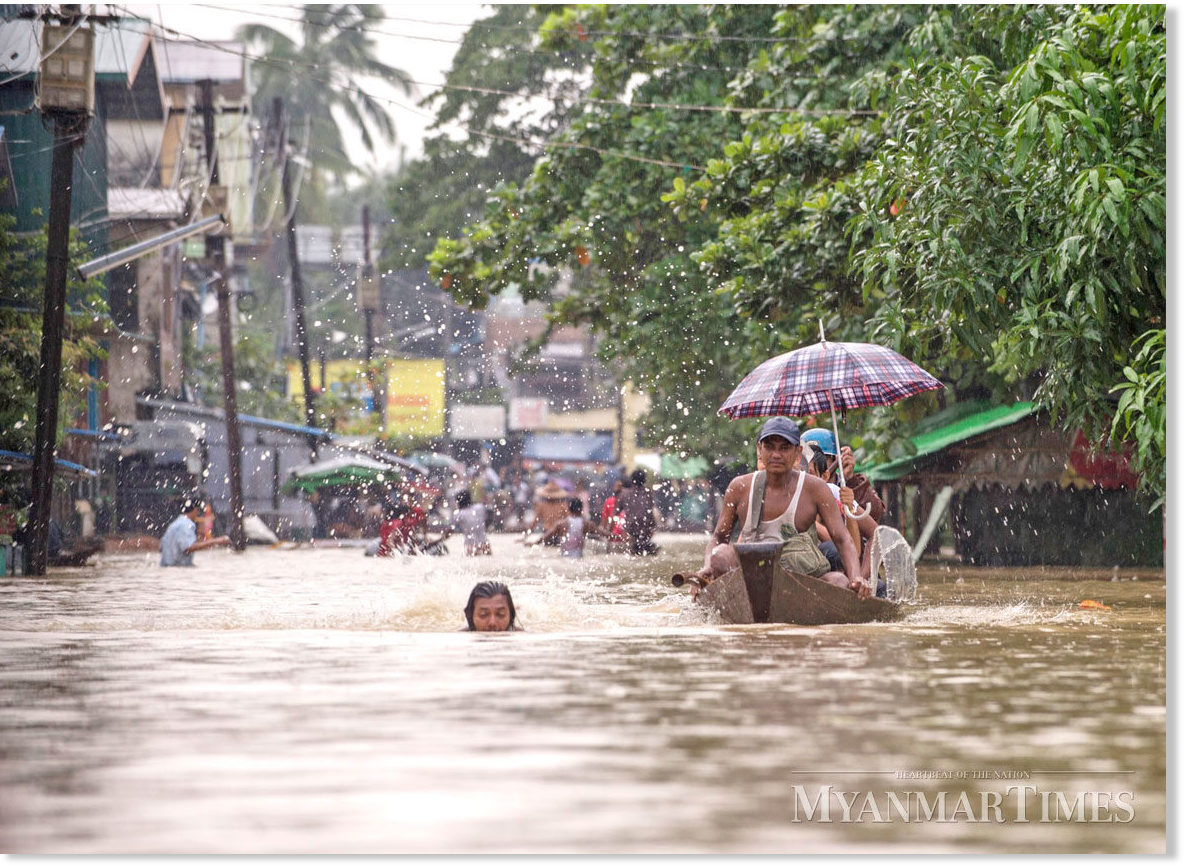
(490, 609)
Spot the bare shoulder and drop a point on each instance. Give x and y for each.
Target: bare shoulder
(739, 486)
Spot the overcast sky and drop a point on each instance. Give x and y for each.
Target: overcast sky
(419, 38)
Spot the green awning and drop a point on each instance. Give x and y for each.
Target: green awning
(936, 439)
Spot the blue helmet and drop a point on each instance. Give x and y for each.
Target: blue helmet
(822, 439)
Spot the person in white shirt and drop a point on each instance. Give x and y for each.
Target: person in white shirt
(180, 541)
(571, 530)
(470, 519)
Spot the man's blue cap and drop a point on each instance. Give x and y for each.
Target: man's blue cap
(780, 426)
(822, 439)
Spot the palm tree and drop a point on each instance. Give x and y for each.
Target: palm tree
(321, 74)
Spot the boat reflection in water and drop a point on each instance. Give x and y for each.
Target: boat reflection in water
(316, 701)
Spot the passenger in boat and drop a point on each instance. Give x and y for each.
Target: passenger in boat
(470, 520)
(180, 541)
(822, 466)
(823, 440)
(782, 503)
(490, 609)
(571, 530)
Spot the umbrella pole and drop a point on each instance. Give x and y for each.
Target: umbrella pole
(834, 422)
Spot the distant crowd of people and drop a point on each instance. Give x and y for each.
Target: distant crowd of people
(559, 513)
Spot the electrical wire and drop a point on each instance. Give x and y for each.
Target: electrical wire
(675, 37)
(484, 134)
(289, 64)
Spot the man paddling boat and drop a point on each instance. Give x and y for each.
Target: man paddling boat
(782, 503)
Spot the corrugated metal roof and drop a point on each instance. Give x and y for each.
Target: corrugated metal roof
(937, 439)
(188, 62)
(144, 203)
(120, 50)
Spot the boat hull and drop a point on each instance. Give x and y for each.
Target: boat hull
(761, 591)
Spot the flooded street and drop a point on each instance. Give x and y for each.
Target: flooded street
(314, 700)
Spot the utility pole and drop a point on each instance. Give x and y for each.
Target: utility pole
(216, 253)
(68, 98)
(368, 300)
(310, 408)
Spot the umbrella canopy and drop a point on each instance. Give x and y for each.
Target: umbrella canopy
(827, 376)
(407, 464)
(353, 470)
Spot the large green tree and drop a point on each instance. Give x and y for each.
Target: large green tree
(981, 187)
(1029, 227)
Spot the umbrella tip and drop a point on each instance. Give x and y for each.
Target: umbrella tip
(821, 333)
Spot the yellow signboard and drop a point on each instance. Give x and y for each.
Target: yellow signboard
(414, 391)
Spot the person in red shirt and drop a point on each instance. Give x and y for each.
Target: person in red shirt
(611, 518)
(402, 531)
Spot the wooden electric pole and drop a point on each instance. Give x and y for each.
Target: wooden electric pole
(68, 136)
(67, 97)
(310, 407)
(216, 253)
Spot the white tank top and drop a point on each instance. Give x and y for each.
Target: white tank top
(754, 529)
(573, 543)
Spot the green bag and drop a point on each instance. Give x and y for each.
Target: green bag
(800, 553)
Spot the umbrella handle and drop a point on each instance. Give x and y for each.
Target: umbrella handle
(860, 514)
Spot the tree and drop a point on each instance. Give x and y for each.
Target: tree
(22, 276)
(321, 74)
(1030, 210)
(963, 183)
(497, 67)
(593, 205)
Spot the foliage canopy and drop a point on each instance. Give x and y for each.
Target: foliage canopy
(980, 187)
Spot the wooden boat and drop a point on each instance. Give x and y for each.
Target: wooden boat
(76, 556)
(761, 591)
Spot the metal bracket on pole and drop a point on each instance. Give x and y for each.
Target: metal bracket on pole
(133, 252)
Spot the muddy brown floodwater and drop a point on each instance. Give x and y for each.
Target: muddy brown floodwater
(313, 700)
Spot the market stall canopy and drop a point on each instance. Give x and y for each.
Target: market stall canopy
(20, 462)
(351, 470)
(407, 464)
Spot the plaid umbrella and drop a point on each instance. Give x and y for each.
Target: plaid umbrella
(827, 376)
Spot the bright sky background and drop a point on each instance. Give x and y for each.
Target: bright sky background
(419, 38)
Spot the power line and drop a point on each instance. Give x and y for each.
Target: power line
(264, 60)
(289, 64)
(716, 37)
(681, 107)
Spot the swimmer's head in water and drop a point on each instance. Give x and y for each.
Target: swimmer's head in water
(490, 608)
